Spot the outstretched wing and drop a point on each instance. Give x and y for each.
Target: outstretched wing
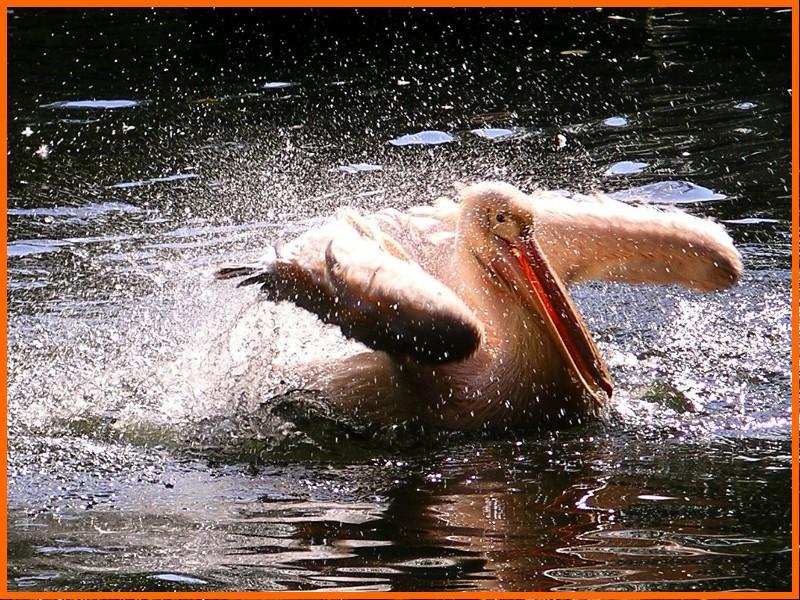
(352, 275)
(607, 239)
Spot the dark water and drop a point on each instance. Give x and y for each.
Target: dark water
(147, 146)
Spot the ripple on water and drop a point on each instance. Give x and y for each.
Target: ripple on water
(354, 168)
(37, 579)
(585, 574)
(751, 221)
(366, 570)
(143, 182)
(668, 192)
(82, 212)
(494, 133)
(19, 248)
(437, 566)
(430, 138)
(670, 543)
(615, 122)
(93, 104)
(177, 578)
(68, 550)
(304, 512)
(278, 85)
(626, 167)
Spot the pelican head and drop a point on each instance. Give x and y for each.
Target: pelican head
(497, 229)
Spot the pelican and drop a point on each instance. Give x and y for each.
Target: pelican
(464, 305)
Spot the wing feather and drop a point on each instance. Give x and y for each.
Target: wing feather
(352, 275)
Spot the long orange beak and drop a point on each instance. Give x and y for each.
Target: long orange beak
(564, 321)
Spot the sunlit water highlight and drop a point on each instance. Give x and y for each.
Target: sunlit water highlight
(160, 437)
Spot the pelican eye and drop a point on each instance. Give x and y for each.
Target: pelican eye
(501, 217)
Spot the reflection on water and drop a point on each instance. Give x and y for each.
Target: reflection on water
(515, 515)
(145, 452)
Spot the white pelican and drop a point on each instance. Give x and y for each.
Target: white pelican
(465, 306)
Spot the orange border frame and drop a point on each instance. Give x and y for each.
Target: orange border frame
(793, 4)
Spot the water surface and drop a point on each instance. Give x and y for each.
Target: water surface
(154, 441)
